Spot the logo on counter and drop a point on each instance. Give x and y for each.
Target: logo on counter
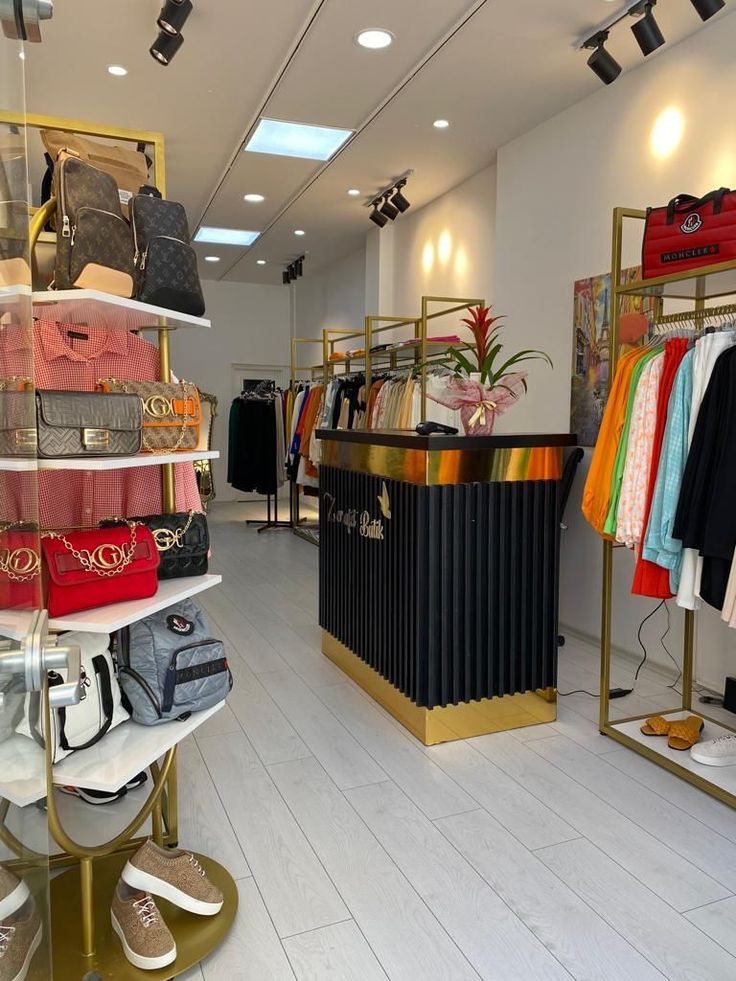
(363, 522)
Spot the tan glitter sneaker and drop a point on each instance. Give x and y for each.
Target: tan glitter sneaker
(13, 893)
(173, 875)
(147, 941)
(20, 938)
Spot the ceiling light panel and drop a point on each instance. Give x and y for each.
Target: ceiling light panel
(374, 38)
(225, 236)
(254, 198)
(308, 142)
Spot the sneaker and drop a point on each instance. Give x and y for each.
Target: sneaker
(147, 941)
(95, 797)
(716, 752)
(173, 875)
(20, 938)
(13, 893)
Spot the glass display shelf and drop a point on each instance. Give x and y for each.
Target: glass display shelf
(103, 310)
(24, 464)
(706, 283)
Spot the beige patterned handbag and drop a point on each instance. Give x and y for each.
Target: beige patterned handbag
(172, 413)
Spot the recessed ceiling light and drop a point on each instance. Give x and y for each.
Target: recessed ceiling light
(260, 262)
(299, 231)
(441, 123)
(212, 258)
(296, 139)
(354, 192)
(225, 236)
(253, 198)
(374, 38)
(117, 70)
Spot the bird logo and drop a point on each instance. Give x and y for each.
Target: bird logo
(384, 502)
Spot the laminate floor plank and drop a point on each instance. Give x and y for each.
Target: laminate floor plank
(436, 793)
(406, 938)
(253, 951)
(698, 844)
(310, 665)
(334, 953)
(639, 851)
(242, 635)
(718, 921)
(493, 938)
(666, 938)
(580, 939)
(340, 754)
(294, 885)
(531, 821)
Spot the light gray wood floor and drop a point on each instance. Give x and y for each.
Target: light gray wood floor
(545, 853)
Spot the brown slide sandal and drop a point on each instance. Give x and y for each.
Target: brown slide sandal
(657, 725)
(684, 733)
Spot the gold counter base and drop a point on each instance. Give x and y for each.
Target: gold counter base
(442, 725)
(196, 936)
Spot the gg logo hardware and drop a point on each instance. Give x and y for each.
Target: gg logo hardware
(165, 538)
(20, 562)
(158, 406)
(106, 556)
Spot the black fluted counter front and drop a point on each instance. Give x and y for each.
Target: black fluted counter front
(439, 571)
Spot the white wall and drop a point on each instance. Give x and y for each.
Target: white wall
(250, 325)
(557, 186)
(332, 297)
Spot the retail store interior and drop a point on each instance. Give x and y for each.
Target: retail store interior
(366, 594)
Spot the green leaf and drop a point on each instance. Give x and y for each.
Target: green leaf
(529, 354)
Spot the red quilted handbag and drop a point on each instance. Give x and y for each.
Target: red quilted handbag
(20, 570)
(690, 232)
(85, 569)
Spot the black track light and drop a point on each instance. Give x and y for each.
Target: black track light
(173, 15)
(646, 31)
(388, 209)
(708, 8)
(376, 215)
(398, 200)
(285, 278)
(165, 47)
(300, 266)
(601, 61)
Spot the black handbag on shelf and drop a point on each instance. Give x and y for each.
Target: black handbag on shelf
(166, 264)
(182, 540)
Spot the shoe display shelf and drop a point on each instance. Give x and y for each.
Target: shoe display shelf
(701, 287)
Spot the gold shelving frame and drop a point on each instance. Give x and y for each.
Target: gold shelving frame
(296, 369)
(700, 286)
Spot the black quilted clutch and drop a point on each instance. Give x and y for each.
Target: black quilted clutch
(182, 540)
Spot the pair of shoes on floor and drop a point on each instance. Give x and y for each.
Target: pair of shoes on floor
(98, 797)
(681, 734)
(21, 930)
(171, 874)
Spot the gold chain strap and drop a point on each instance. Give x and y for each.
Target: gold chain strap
(165, 538)
(182, 434)
(106, 560)
(22, 564)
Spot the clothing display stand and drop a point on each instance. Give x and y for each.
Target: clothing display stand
(696, 286)
(83, 943)
(305, 528)
(253, 386)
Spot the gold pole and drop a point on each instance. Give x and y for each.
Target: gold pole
(172, 797)
(423, 358)
(688, 652)
(168, 494)
(157, 823)
(88, 907)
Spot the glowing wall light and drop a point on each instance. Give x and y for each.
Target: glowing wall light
(444, 247)
(428, 257)
(667, 132)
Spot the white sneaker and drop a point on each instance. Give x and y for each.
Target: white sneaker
(716, 752)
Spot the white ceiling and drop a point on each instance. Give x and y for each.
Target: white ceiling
(494, 68)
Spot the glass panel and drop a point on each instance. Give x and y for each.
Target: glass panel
(25, 939)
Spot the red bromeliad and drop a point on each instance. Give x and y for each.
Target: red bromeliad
(487, 348)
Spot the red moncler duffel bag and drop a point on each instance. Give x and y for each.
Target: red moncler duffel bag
(690, 232)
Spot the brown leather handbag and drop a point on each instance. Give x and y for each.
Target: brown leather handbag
(172, 413)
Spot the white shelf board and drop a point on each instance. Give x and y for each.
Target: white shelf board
(95, 309)
(124, 752)
(107, 619)
(721, 776)
(105, 463)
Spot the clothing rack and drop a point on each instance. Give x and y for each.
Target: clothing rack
(299, 526)
(265, 388)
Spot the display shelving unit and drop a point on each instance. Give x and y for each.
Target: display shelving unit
(699, 286)
(83, 944)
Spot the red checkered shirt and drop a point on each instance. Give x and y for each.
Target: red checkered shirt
(79, 498)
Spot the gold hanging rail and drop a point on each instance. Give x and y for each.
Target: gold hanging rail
(724, 310)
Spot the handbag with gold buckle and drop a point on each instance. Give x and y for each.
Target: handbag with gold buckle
(98, 566)
(171, 413)
(182, 540)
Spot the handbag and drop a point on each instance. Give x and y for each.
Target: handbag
(166, 264)
(182, 540)
(171, 413)
(100, 709)
(18, 436)
(88, 424)
(689, 233)
(94, 247)
(98, 566)
(170, 665)
(20, 568)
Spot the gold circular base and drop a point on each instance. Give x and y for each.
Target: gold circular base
(196, 936)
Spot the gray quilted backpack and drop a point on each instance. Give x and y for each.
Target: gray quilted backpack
(169, 665)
